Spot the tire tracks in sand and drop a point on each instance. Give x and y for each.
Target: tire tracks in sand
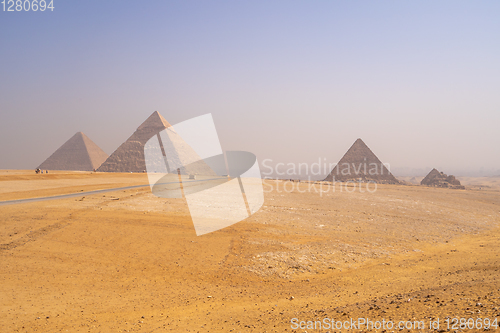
(33, 235)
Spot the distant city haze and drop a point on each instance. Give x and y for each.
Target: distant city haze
(292, 82)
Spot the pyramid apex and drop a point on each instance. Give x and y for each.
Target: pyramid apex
(359, 144)
(154, 120)
(359, 141)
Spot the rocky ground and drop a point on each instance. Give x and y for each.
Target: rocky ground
(130, 262)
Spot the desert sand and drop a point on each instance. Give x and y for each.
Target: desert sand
(127, 261)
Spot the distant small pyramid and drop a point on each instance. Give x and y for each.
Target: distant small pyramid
(129, 157)
(414, 180)
(78, 154)
(439, 179)
(431, 176)
(360, 163)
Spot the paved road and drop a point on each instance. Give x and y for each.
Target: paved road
(71, 195)
(194, 185)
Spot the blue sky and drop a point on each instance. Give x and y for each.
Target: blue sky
(293, 81)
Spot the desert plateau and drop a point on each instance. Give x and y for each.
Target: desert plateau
(127, 261)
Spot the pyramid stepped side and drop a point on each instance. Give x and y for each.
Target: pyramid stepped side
(431, 176)
(79, 153)
(129, 157)
(439, 179)
(359, 162)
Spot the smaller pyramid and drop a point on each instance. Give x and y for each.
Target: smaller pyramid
(360, 163)
(77, 154)
(129, 157)
(439, 179)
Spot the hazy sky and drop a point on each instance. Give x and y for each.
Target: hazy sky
(294, 81)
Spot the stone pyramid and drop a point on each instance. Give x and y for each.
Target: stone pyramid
(129, 157)
(430, 177)
(78, 153)
(439, 179)
(361, 163)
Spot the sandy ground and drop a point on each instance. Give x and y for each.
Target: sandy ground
(22, 184)
(127, 261)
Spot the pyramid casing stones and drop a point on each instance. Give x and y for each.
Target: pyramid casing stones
(129, 157)
(79, 153)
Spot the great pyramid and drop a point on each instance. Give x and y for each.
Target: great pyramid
(360, 163)
(129, 157)
(439, 179)
(78, 153)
